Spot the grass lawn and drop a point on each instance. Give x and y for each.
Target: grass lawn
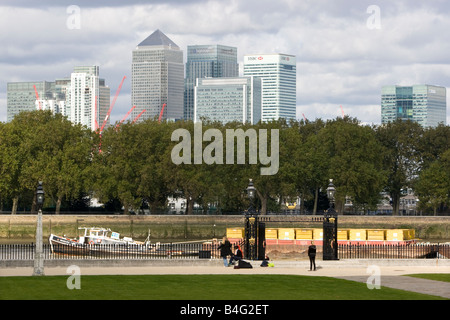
(432, 276)
(197, 287)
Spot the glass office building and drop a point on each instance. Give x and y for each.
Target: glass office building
(83, 97)
(279, 80)
(21, 96)
(424, 104)
(157, 78)
(228, 99)
(207, 61)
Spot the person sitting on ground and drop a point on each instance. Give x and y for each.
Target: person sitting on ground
(236, 256)
(265, 262)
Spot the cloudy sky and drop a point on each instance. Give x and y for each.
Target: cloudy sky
(346, 50)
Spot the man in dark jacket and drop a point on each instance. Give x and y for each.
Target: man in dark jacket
(312, 256)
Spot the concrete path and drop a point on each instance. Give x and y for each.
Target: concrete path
(389, 274)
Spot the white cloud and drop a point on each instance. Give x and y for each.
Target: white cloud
(340, 60)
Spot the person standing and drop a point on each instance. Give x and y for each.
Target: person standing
(225, 250)
(312, 256)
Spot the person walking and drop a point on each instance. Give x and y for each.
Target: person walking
(312, 256)
(225, 250)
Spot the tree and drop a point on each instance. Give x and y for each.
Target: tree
(40, 146)
(433, 184)
(118, 166)
(355, 162)
(401, 156)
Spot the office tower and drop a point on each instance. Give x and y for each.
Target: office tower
(279, 80)
(207, 61)
(157, 78)
(228, 99)
(21, 96)
(425, 104)
(82, 98)
(87, 98)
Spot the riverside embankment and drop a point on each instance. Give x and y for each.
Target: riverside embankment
(182, 227)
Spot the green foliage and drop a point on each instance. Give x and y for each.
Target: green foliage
(39, 146)
(131, 165)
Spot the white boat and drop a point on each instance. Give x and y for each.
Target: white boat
(97, 239)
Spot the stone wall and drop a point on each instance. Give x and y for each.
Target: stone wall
(181, 227)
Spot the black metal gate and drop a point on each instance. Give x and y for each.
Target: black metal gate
(255, 238)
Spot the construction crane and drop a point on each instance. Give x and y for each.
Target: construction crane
(95, 116)
(37, 97)
(126, 116)
(112, 105)
(161, 113)
(108, 114)
(139, 115)
(342, 110)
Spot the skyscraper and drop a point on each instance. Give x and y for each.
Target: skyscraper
(83, 97)
(207, 61)
(21, 96)
(279, 79)
(424, 104)
(228, 99)
(87, 97)
(157, 78)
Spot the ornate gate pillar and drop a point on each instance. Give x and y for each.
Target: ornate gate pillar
(330, 247)
(330, 223)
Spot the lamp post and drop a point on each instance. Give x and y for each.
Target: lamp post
(254, 230)
(251, 192)
(330, 248)
(331, 192)
(39, 255)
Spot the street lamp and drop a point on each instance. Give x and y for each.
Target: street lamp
(331, 192)
(39, 255)
(40, 196)
(251, 194)
(251, 190)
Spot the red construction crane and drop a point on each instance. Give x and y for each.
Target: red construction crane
(126, 116)
(139, 115)
(112, 105)
(304, 117)
(37, 97)
(95, 116)
(161, 113)
(343, 114)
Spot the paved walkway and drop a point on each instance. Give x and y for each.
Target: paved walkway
(389, 275)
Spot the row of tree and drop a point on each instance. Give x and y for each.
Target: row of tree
(132, 165)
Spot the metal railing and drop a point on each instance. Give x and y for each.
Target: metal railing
(209, 251)
(193, 250)
(394, 251)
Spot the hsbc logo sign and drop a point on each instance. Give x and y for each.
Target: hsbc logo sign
(270, 58)
(255, 58)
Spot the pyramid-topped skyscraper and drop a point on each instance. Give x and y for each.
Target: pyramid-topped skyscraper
(158, 38)
(157, 78)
